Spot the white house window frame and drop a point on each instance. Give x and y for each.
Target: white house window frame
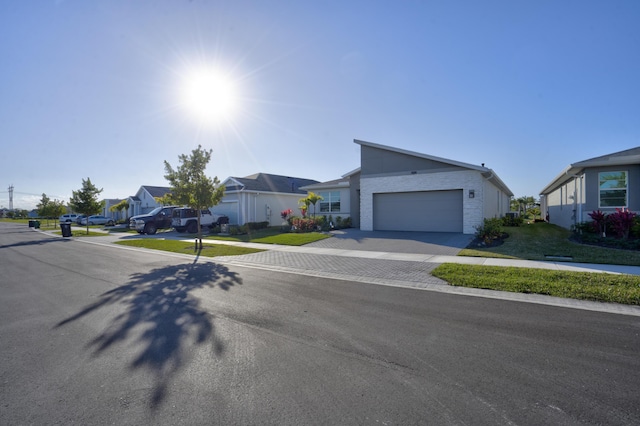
(625, 178)
(330, 202)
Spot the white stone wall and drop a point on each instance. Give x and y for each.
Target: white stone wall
(473, 208)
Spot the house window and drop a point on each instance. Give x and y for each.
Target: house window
(330, 202)
(613, 189)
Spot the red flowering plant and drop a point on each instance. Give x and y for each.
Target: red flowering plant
(599, 221)
(621, 222)
(285, 214)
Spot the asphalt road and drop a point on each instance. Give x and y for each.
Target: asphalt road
(91, 334)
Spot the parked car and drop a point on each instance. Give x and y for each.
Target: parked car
(97, 220)
(68, 218)
(186, 219)
(79, 219)
(158, 218)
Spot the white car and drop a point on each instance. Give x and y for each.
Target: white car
(98, 220)
(68, 218)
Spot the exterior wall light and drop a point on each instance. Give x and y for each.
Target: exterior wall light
(472, 193)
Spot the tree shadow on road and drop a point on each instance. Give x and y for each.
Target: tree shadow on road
(162, 317)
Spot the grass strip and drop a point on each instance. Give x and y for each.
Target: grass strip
(185, 247)
(273, 236)
(593, 286)
(538, 240)
(76, 233)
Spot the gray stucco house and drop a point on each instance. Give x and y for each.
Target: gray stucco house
(601, 183)
(260, 197)
(399, 190)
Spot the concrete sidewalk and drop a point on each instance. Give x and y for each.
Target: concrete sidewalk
(408, 270)
(438, 259)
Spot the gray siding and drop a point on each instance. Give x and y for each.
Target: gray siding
(592, 190)
(381, 162)
(354, 200)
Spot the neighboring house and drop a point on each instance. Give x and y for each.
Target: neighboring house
(336, 199)
(116, 215)
(145, 199)
(399, 190)
(601, 183)
(260, 198)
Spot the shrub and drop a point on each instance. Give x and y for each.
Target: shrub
(489, 230)
(512, 220)
(635, 228)
(254, 226)
(305, 224)
(599, 221)
(621, 222)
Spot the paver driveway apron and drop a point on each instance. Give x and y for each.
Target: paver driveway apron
(433, 243)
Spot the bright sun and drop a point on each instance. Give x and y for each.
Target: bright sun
(209, 95)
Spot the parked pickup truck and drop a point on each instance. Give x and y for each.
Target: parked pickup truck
(186, 219)
(158, 218)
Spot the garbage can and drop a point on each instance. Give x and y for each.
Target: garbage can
(66, 229)
(224, 228)
(36, 224)
(31, 224)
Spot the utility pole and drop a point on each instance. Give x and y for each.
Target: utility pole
(11, 197)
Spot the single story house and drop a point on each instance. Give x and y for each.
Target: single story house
(106, 209)
(260, 197)
(145, 199)
(399, 190)
(601, 183)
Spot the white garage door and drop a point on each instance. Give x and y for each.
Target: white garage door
(229, 208)
(428, 211)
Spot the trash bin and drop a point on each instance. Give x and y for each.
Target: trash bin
(66, 229)
(31, 224)
(224, 228)
(36, 224)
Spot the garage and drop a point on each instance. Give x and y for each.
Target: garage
(229, 209)
(426, 211)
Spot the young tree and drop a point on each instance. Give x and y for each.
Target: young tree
(57, 209)
(191, 187)
(311, 198)
(85, 200)
(50, 209)
(44, 207)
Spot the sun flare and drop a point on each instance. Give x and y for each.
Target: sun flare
(209, 95)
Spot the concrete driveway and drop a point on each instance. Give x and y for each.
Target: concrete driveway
(435, 243)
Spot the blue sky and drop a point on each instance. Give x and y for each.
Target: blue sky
(96, 88)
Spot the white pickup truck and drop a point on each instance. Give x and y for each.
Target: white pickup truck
(186, 219)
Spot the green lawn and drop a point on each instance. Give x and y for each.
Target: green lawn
(272, 235)
(576, 285)
(209, 250)
(539, 240)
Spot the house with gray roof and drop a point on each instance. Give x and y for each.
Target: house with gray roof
(260, 197)
(602, 183)
(145, 199)
(399, 190)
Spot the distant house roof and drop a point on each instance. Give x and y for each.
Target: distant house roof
(157, 191)
(621, 158)
(329, 184)
(269, 183)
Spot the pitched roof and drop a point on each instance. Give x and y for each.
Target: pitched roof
(157, 191)
(620, 158)
(425, 156)
(329, 184)
(487, 173)
(273, 183)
